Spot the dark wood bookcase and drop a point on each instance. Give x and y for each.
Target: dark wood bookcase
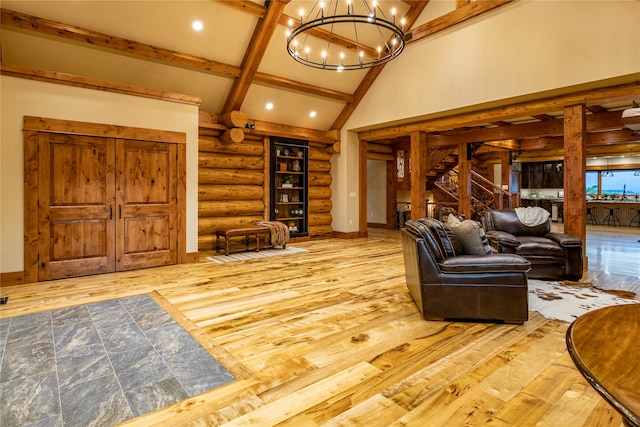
(290, 184)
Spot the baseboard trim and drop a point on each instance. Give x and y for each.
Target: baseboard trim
(12, 279)
(352, 235)
(192, 257)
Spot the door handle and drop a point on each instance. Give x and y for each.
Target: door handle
(120, 206)
(110, 211)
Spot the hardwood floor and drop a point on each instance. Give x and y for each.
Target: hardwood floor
(332, 337)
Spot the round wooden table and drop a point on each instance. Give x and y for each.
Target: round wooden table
(605, 347)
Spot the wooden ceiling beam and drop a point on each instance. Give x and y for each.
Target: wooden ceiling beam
(460, 14)
(259, 11)
(373, 73)
(253, 55)
(23, 21)
(625, 91)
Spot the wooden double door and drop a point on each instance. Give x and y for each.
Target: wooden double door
(104, 205)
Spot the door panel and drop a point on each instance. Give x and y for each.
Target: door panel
(77, 230)
(146, 188)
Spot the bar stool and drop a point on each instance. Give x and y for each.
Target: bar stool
(635, 218)
(611, 219)
(590, 218)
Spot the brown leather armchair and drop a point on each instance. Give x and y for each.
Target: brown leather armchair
(446, 285)
(552, 255)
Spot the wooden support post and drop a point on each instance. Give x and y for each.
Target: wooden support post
(362, 201)
(464, 180)
(505, 177)
(418, 175)
(575, 165)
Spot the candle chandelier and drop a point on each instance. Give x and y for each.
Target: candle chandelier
(374, 38)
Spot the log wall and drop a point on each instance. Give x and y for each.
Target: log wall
(233, 186)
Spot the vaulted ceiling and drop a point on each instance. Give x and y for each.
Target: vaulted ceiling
(238, 61)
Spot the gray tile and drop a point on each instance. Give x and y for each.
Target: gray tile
(29, 400)
(78, 339)
(76, 369)
(153, 319)
(172, 340)
(138, 303)
(107, 311)
(139, 367)
(70, 316)
(31, 320)
(121, 336)
(198, 371)
(155, 396)
(55, 421)
(99, 402)
(4, 329)
(23, 361)
(34, 328)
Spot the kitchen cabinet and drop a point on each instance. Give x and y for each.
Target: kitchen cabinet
(542, 175)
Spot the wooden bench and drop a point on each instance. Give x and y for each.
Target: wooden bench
(247, 233)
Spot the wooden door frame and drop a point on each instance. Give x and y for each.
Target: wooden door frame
(33, 126)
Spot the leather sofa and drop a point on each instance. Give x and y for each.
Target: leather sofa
(553, 255)
(444, 284)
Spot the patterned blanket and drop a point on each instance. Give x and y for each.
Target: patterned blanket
(279, 232)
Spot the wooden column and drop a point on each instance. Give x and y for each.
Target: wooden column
(362, 217)
(575, 165)
(418, 175)
(464, 180)
(505, 176)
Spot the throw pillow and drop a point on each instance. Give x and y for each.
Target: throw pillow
(472, 238)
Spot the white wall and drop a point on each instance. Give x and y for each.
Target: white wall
(523, 48)
(377, 191)
(21, 97)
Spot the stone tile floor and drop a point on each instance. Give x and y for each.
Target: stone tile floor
(99, 364)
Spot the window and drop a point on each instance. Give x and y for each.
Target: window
(592, 182)
(622, 182)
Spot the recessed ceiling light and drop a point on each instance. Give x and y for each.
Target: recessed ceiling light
(269, 106)
(197, 25)
(312, 114)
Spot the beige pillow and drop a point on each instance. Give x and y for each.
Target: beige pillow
(471, 237)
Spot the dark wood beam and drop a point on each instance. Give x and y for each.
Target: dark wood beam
(373, 73)
(622, 92)
(575, 163)
(12, 19)
(418, 175)
(461, 14)
(253, 55)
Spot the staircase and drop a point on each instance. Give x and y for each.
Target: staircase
(485, 195)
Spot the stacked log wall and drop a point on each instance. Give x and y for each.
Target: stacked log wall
(320, 205)
(233, 192)
(230, 186)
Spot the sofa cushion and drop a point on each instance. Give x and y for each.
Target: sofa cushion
(471, 237)
(441, 233)
(507, 220)
(539, 246)
(484, 264)
(420, 229)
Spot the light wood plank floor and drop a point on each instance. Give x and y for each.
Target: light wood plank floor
(332, 337)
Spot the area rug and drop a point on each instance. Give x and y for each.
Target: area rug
(245, 256)
(567, 301)
(99, 364)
